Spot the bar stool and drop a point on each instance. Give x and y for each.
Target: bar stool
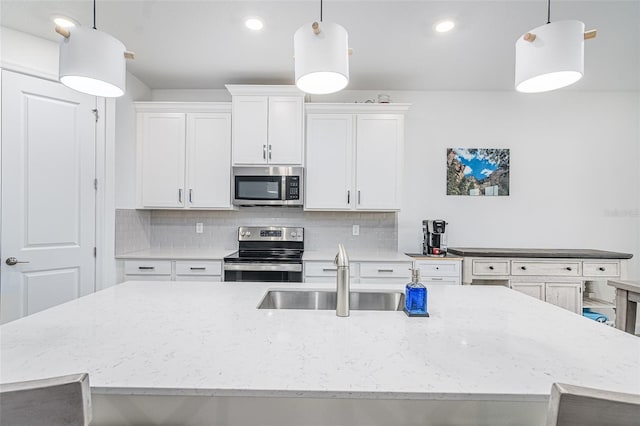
(56, 401)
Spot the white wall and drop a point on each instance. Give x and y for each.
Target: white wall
(28, 54)
(125, 142)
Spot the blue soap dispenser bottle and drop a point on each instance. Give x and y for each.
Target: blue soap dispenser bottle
(415, 296)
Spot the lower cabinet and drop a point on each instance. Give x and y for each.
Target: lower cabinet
(173, 270)
(359, 272)
(567, 295)
(440, 271)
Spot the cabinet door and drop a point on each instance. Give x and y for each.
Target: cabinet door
(565, 295)
(250, 129)
(329, 170)
(208, 160)
(285, 140)
(162, 138)
(532, 289)
(378, 161)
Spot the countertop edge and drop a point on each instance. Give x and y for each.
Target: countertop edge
(324, 394)
(540, 253)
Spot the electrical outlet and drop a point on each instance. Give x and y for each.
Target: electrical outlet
(356, 230)
(199, 228)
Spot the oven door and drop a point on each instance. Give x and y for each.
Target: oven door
(263, 272)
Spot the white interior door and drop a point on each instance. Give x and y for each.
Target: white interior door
(48, 195)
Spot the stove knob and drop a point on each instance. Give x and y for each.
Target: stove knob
(242, 233)
(293, 235)
(248, 233)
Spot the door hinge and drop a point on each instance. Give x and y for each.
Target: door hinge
(95, 113)
(95, 252)
(95, 184)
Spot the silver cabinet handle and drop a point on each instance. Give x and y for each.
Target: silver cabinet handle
(180, 195)
(348, 196)
(190, 195)
(198, 268)
(13, 261)
(264, 152)
(329, 270)
(385, 270)
(269, 151)
(358, 196)
(146, 268)
(436, 279)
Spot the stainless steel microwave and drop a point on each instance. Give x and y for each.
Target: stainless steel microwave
(267, 186)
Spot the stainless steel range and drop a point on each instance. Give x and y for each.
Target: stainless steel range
(266, 253)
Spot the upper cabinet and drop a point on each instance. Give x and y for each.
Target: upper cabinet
(267, 125)
(184, 155)
(354, 156)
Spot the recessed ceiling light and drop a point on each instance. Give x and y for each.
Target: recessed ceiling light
(254, 23)
(444, 26)
(64, 21)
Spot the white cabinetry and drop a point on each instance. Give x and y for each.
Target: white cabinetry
(439, 270)
(173, 270)
(267, 125)
(361, 272)
(567, 295)
(354, 156)
(184, 155)
(560, 281)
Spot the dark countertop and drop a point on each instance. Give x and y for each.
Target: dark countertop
(539, 253)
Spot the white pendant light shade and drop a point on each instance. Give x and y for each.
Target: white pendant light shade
(553, 59)
(322, 59)
(93, 62)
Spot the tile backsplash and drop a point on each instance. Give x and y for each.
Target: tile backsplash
(323, 230)
(133, 230)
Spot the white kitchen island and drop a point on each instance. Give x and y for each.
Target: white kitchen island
(201, 353)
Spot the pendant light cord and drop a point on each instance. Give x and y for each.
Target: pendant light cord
(548, 11)
(320, 10)
(94, 14)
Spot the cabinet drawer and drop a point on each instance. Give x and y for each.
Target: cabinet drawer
(326, 269)
(147, 267)
(193, 267)
(490, 267)
(383, 270)
(566, 269)
(429, 268)
(601, 269)
(440, 280)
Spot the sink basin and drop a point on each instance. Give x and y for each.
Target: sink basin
(326, 300)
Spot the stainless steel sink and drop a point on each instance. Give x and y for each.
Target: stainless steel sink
(326, 300)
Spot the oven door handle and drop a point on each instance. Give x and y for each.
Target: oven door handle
(274, 267)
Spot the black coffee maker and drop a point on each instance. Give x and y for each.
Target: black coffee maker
(435, 239)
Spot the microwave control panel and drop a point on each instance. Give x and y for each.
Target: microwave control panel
(292, 188)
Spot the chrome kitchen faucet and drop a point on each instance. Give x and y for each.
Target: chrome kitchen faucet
(342, 282)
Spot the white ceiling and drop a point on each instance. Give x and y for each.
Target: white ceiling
(202, 44)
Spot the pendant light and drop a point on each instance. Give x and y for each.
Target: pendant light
(92, 61)
(321, 53)
(551, 56)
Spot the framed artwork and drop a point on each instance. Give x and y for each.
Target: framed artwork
(478, 171)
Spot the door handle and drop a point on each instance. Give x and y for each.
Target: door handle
(358, 196)
(269, 151)
(264, 152)
(13, 261)
(348, 197)
(180, 195)
(191, 196)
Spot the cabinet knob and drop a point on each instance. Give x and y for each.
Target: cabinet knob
(491, 268)
(569, 268)
(524, 268)
(601, 269)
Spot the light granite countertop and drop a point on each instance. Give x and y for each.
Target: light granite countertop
(177, 254)
(539, 253)
(357, 256)
(204, 338)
